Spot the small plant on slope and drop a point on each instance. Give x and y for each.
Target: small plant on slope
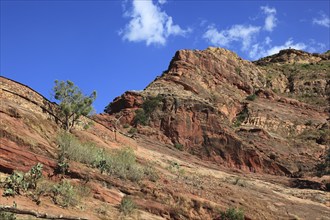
(127, 206)
(232, 214)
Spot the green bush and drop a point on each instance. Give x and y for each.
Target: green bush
(140, 117)
(127, 206)
(151, 104)
(18, 181)
(64, 194)
(132, 131)
(251, 97)
(71, 148)
(232, 214)
(178, 146)
(151, 173)
(122, 163)
(241, 117)
(148, 106)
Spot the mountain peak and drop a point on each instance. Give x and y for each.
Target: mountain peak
(291, 56)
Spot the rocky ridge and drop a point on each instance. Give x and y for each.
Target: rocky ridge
(232, 111)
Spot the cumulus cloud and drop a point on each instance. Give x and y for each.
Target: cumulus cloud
(270, 20)
(238, 33)
(162, 1)
(323, 20)
(288, 44)
(150, 24)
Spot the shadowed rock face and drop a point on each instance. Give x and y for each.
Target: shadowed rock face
(223, 109)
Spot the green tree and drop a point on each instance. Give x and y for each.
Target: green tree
(72, 102)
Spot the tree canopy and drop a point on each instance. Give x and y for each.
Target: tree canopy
(72, 103)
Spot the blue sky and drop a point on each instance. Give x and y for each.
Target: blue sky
(114, 46)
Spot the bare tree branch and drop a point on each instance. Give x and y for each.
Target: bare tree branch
(37, 214)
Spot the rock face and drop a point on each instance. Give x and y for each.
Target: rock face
(222, 108)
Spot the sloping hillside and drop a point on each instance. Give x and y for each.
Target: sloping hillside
(212, 135)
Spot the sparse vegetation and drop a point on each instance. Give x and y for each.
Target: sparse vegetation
(140, 117)
(178, 146)
(149, 105)
(151, 173)
(241, 117)
(8, 215)
(19, 181)
(238, 70)
(64, 194)
(72, 103)
(232, 214)
(121, 163)
(251, 97)
(323, 168)
(320, 136)
(132, 131)
(127, 206)
(175, 167)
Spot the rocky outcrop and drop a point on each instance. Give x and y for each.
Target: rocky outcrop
(209, 96)
(292, 56)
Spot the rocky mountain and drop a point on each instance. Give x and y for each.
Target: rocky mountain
(269, 116)
(213, 135)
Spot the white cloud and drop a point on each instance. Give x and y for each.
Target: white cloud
(239, 33)
(268, 40)
(288, 44)
(162, 1)
(148, 23)
(323, 20)
(270, 21)
(263, 49)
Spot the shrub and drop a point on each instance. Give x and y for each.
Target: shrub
(151, 104)
(178, 146)
(232, 214)
(122, 163)
(151, 173)
(241, 117)
(140, 117)
(126, 126)
(323, 168)
(251, 97)
(127, 206)
(132, 131)
(238, 70)
(22, 181)
(148, 106)
(72, 149)
(13, 184)
(64, 194)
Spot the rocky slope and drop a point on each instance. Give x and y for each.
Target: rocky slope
(237, 113)
(216, 130)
